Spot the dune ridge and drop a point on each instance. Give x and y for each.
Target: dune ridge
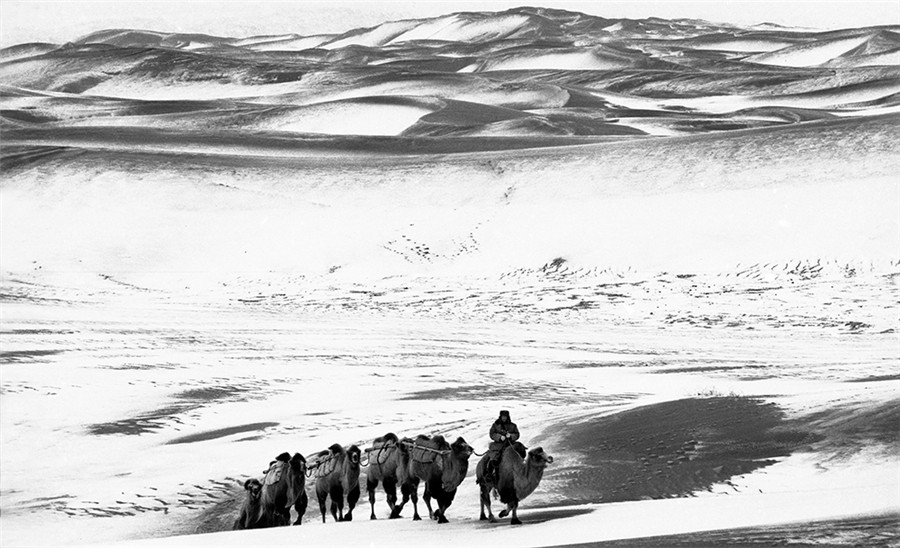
(681, 73)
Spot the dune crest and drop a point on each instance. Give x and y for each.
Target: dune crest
(650, 76)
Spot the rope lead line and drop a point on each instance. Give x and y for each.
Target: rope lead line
(381, 450)
(311, 468)
(413, 445)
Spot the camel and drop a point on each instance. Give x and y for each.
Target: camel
(285, 486)
(518, 477)
(385, 459)
(251, 515)
(440, 465)
(337, 475)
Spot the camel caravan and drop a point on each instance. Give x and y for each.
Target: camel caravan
(508, 470)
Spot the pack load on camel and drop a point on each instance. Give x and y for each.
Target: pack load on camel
(337, 476)
(441, 465)
(283, 487)
(385, 461)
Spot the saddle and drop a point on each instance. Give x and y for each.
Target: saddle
(325, 463)
(381, 450)
(422, 454)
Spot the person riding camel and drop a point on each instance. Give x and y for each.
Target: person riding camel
(503, 432)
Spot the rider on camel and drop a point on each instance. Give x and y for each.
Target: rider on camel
(503, 432)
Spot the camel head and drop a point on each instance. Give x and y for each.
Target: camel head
(354, 453)
(538, 457)
(405, 443)
(253, 488)
(456, 464)
(460, 447)
(298, 464)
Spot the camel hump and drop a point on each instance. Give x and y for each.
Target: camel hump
(298, 458)
(422, 437)
(335, 449)
(440, 442)
(390, 437)
(284, 457)
(519, 448)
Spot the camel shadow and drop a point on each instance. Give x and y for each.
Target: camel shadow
(550, 514)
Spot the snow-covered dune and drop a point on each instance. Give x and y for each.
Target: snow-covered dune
(812, 53)
(684, 205)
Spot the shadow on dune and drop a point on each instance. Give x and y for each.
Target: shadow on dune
(673, 449)
(871, 531)
(549, 514)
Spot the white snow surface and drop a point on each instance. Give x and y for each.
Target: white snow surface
(806, 55)
(460, 29)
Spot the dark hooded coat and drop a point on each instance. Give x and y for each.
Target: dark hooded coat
(501, 434)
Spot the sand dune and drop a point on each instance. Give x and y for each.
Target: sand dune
(330, 86)
(810, 54)
(146, 38)
(741, 42)
(23, 51)
(882, 48)
(519, 69)
(290, 44)
(602, 197)
(464, 28)
(363, 116)
(595, 58)
(374, 37)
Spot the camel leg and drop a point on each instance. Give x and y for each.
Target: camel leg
(337, 503)
(441, 513)
(486, 503)
(352, 499)
(300, 506)
(390, 491)
(426, 496)
(414, 496)
(322, 496)
(444, 500)
(334, 511)
(515, 519)
(370, 486)
(405, 491)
